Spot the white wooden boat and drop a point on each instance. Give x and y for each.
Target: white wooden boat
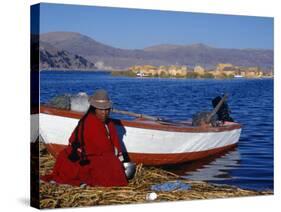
(144, 141)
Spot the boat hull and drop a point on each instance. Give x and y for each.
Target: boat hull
(145, 141)
(156, 159)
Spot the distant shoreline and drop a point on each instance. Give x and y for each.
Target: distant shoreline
(192, 76)
(120, 73)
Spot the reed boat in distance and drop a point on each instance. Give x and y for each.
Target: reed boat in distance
(144, 141)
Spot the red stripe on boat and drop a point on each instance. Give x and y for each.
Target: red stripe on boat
(156, 159)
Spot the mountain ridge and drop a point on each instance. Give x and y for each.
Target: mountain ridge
(57, 59)
(163, 54)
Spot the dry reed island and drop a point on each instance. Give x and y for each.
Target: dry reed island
(221, 71)
(56, 196)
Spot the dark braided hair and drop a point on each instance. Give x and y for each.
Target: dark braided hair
(73, 156)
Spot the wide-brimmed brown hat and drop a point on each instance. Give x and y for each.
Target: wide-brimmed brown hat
(100, 100)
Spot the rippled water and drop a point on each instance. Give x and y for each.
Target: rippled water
(250, 165)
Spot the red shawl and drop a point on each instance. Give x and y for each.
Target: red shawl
(105, 169)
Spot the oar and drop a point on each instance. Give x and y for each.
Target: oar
(216, 109)
(138, 115)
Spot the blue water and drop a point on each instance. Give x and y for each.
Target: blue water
(249, 166)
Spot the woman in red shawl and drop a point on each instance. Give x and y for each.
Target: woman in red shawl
(94, 152)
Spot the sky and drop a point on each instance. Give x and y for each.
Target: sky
(137, 28)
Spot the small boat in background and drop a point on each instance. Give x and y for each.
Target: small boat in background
(141, 74)
(238, 76)
(144, 141)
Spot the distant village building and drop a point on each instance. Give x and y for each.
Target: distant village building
(250, 72)
(169, 71)
(199, 70)
(177, 71)
(163, 68)
(230, 71)
(222, 66)
(144, 70)
(184, 68)
(222, 70)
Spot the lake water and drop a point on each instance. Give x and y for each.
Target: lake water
(249, 165)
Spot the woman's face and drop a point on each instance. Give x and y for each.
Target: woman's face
(102, 114)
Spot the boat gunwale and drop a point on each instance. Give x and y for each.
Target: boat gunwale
(140, 123)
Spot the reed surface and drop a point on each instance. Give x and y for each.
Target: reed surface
(56, 196)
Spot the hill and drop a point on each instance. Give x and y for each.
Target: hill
(108, 57)
(60, 59)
